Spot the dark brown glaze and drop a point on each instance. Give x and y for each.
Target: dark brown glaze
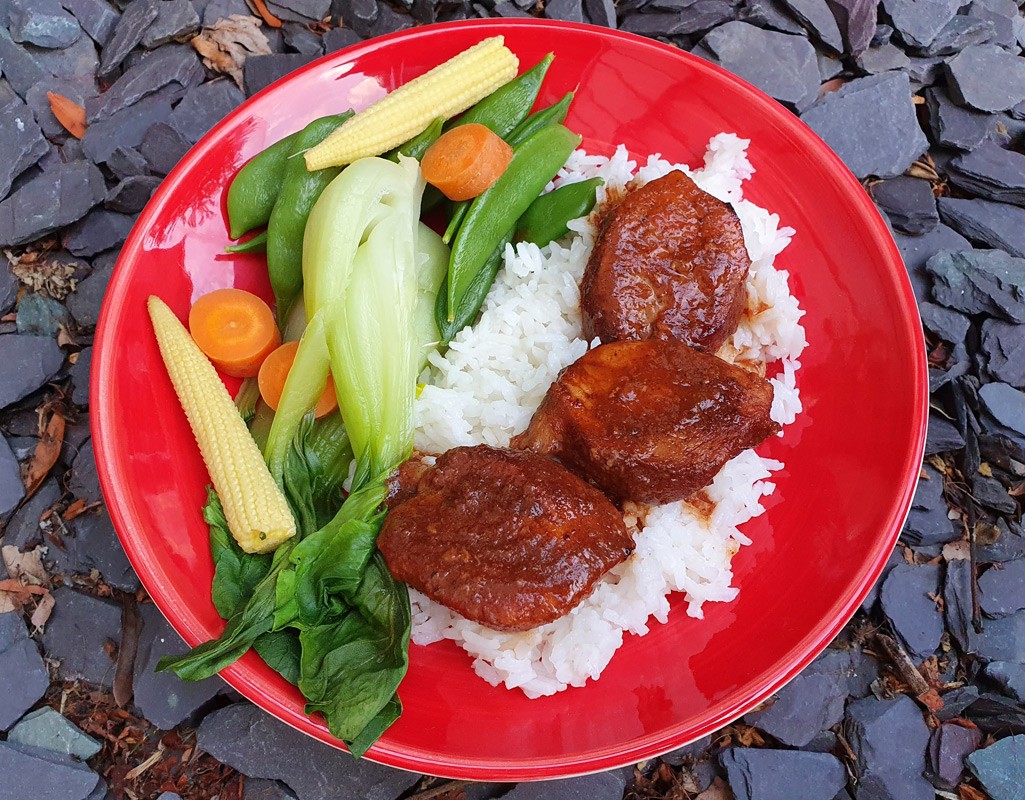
(669, 263)
(512, 540)
(650, 421)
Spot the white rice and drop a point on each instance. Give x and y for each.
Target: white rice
(485, 390)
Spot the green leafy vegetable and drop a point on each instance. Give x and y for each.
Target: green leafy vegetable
(236, 573)
(282, 652)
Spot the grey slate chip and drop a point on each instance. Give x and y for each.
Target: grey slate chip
(97, 231)
(25, 676)
(1003, 345)
(601, 12)
(259, 72)
(30, 772)
(39, 102)
(951, 326)
(829, 66)
(909, 203)
(203, 107)
(953, 125)
(77, 634)
(1006, 404)
(23, 529)
(924, 70)
(82, 481)
(961, 32)
(163, 147)
(942, 437)
(127, 128)
(781, 65)
(302, 40)
(21, 142)
(260, 789)
(990, 493)
(889, 739)
(999, 767)
(8, 289)
(30, 362)
(97, 18)
(804, 707)
(979, 282)
(970, 78)
(94, 545)
(84, 304)
(915, 617)
(991, 172)
(11, 488)
(136, 18)
(857, 22)
(173, 65)
(770, 14)
(601, 786)
(389, 20)
(43, 23)
(222, 9)
(39, 315)
(871, 124)
(817, 17)
(778, 774)
(918, 22)
(948, 746)
(21, 69)
(566, 10)
(46, 729)
(1009, 677)
(131, 195)
(256, 744)
(175, 19)
(1002, 589)
(76, 62)
(358, 15)
(164, 699)
(337, 38)
(995, 225)
(928, 523)
(883, 58)
(127, 162)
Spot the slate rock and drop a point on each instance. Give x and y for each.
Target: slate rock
(337, 38)
(991, 172)
(39, 102)
(98, 18)
(979, 282)
(164, 699)
(1002, 589)
(259, 72)
(39, 315)
(781, 65)
(77, 62)
(85, 303)
(924, 70)
(1009, 677)
(1008, 544)
(11, 489)
(953, 125)
(25, 675)
(127, 128)
(21, 69)
(990, 493)
(829, 66)
(56, 197)
(951, 326)
(1002, 639)
(782, 774)
(389, 20)
(601, 786)
(770, 14)
(256, 744)
(260, 789)
(179, 66)
(301, 10)
(601, 12)
(30, 772)
(48, 730)
(909, 203)
(83, 482)
(915, 617)
(889, 739)
(21, 142)
(566, 10)
(78, 634)
(948, 746)
(29, 362)
(805, 706)
(97, 231)
(1006, 404)
(871, 124)
(970, 78)
(918, 22)
(358, 15)
(662, 23)
(927, 522)
(999, 768)
(131, 195)
(128, 32)
(43, 23)
(175, 19)
(1003, 345)
(127, 162)
(176, 796)
(942, 437)
(8, 290)
(883, 58)
(916, 250)
(962, 31)
(222, 9)
(23, 529)
(996, 714)
(163, 147)
(203, 107)
(857, 22)
(817, 17)
(93, 545)
(302, 40)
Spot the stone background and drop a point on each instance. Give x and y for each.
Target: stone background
(921, 696)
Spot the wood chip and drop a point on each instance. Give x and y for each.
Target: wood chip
(909, 674)
(261, 8)
(47, 452)
(966, 792)
(68, 113)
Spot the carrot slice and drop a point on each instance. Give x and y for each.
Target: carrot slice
(465, 161)
(235, 330)
(273, 373)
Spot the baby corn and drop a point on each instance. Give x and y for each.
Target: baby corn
(447, 90)
(258, 514)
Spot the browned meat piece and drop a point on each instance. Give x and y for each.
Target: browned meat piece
(512, 540)
(650, 421)
(669, 263)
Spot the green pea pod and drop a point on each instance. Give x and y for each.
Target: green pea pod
(472, 300)
(298, 192)
(458, 213)
(254, 189)
(547, 218)
(495, 212)
(508, 106)
(554, 114)
(417, 146)
(257, 244)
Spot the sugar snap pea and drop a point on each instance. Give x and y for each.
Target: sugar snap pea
(472, 300)
(508, 106)
(257, 244)
(549, 115)
(493, 214)
(417, 146)
(547, 217)
(298, 192)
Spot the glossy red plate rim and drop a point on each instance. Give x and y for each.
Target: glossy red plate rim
(114, 481)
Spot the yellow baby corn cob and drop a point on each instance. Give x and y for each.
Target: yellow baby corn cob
(445, 91)
(257, 513)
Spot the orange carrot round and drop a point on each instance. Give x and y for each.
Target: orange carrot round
(235, 329)
(465, 161)
(274, 372)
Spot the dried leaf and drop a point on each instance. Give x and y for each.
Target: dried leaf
(985, 469)
(40, 273)
(64, 339)
(264, 12)
(78, 508)
(47, 452)
(68, 113)
(830, 86)
(25, 567)
(966, 792)
(43, 610)
(959, 550)
(226, 45)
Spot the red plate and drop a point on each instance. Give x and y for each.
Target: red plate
(851, 458)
